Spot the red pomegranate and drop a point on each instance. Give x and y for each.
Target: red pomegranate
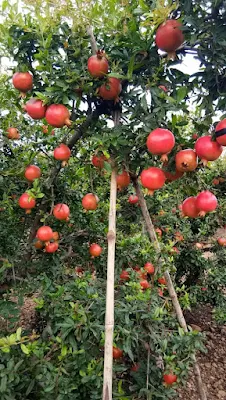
(149, 268)
(61, 211)
(173, 177)
(23, 81)
(164, 88)
(98, 161)
(133, 199)
(12, 133)
(123, 180)
(162, 281)
(160, 142)
(195, 136)
(189, 207)
(152, 178)
(95, 250)
(58, 115)
(56, 236)
(35, 108)
(135, 367)
(90, 201)
(222, 241)
(169, 36)
(207, 150)
(62, 152)
(220, 132)
(52, 247)
(38, 245)
(145, 284)
(26, 201)
(124, 276)
(32, 172)
(186, 160)
(98, 65)
(117, 353)
(206, 202)
(44, 233)
(111, 89)
(169, 379)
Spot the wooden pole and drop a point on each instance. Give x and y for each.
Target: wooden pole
(170, 287)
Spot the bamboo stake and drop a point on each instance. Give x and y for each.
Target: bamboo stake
(170, 287)
(109, 317)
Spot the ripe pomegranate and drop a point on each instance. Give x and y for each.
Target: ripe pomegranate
(135, 367)
(23, 81)
(174, 250)
(56, 236)
(144, 284)
(186, 160)
(26, 201)
(162, 280)
(206, 202)
(117, 353)
(215, 182)
(169, 379)
(169, 36)
(98, 161)
(124, 275)
(62, 152)
(220, 132)
(199, 246)
(98, 65)
(141, 274)
(35, 108)
(189, 207)
(159, 232)
(123, 180)
(38, 245)
(207, 150)
(12, 133)
(195, 136)
(133, 199)
(58, 115)
(95, 250)
(52, 247)
(152, 178)
(173, 177)
(61, 211)
(222, 241)
(110, 89)
(44, 233)
(90, 201)
(32, 172)
(179, 237)
(149, 268)
(161, 142)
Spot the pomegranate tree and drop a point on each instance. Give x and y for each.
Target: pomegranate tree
(169, 36)
(62, 152)
(161, 142)
(95, 250)
(61, 211)
(32, 172)
(111, 89)
(13, 134)
(206, 202)
(207, 149)
(57, 115)
(44, 233)
(35, 108)
(152, 178)
(23, 81)
(27, 202)
(98, 65)
(90, 201)
(186, 160)
(123, 180)
(189, 207)
(220, 132)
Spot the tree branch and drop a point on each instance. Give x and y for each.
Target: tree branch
(92, 40)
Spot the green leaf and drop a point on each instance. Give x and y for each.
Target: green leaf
(24, 349)
(181, 93)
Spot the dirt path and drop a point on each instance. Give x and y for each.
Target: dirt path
(213, 363)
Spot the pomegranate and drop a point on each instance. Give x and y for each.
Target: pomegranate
(38, 245)
(35, 108)
(123, 180)
(169, 379)
(152, 178)
(161, 142)
(206, 202)
(32, 172)
(44, 233)
(98, 65)
(90, 201)
(45, 130)
(117, 353)
(199, 246)
(149, 268)
(169, 36)
(222, 241)
(145, 284)
(23, 81)
(186, 160)
(124, 276)
(189, 207)
(12, 133)
(26, 201)
(56, 236)
(98, 161)
(195, 136)
(135, 367)
(220, 132)
(164, 88)
(173, 177)
(133, 199)
(215, 182)
(159, 232)
(62, 152)
(58, 115)
(179, 237)
(61, 211)
(110, 89)
(162, 280)
(95, 250)
(207, 150)
(52, 247)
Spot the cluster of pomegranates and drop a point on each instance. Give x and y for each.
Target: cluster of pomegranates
(142, 274)
(46, 238)
(198, 206)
